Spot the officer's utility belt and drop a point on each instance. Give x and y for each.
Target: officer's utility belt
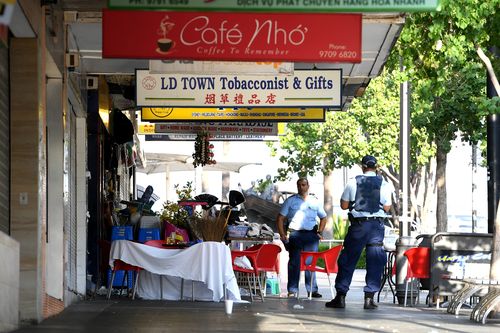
(300, 230)
(363, 219)
(314, 229)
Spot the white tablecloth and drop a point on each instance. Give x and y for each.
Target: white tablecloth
(208, 264)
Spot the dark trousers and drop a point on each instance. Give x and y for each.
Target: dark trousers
(301, 241)
(369, 234)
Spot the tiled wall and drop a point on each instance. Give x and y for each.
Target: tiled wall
(27, 218)
(9, 283)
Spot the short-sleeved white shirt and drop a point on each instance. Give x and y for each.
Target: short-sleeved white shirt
(302, 213)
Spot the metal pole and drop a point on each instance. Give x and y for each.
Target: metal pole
(474, 173)
(493, 157)
(405, 241)
(404, 153)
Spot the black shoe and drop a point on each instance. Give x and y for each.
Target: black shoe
(369, 304)
(315, 294)
(338, 302)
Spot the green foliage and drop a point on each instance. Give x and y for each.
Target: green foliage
(361, 262)
(262, 184)
(175, 214)
(340, 227)
(447, 85)
(185, 192)
(438, 50)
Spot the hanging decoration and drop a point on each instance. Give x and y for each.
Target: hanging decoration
(203, 150)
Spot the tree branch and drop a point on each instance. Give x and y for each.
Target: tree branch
(489, 68)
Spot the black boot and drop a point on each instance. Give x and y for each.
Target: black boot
(338, 302)
(369, 301)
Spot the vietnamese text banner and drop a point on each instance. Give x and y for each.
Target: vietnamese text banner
(284, 5)
(231, 36)
(215, 114)
(302, 89)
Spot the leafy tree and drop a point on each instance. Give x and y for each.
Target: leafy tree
(371, 126)
(439, 52)
(447, 79)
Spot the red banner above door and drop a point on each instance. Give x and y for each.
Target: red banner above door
(231, 36)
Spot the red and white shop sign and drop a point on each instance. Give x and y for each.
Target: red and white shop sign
(231, 36)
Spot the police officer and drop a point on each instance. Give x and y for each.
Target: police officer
(301, 210)
(368, 198)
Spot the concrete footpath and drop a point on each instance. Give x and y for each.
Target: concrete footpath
(274, 315)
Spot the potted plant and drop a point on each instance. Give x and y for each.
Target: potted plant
(173, 216)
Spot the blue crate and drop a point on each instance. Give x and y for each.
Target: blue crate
(122, 232)
(146, 234)
(117, 282)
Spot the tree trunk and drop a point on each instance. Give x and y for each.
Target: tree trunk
(426, 197)
(441, 209)
(328, 205)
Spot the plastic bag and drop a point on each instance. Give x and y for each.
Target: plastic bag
(243, 262)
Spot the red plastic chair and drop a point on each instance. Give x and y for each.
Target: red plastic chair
(119, 265)
(252, 257)
(418, 268)
(267, 260)
(329, 257)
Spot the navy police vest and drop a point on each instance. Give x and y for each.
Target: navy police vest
(367, 194)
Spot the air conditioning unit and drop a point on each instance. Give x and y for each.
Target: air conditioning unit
(72, 60)
(92, 82)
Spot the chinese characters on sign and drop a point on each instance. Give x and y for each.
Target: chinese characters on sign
(302, 89)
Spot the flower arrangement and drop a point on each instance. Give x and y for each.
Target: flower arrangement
(203, 150)
(175, 214)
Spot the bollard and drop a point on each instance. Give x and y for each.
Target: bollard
(402, 244)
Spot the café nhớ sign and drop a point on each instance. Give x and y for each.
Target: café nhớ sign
(225, 36)
(302, 89)
(284, 5)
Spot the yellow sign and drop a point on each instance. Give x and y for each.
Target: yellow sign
(240, 114)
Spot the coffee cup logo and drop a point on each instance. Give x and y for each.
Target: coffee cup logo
(164, 43)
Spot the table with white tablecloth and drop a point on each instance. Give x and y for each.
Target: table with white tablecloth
(203, 269)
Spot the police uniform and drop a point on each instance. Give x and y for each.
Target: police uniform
(302, 236)
(367, 194)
